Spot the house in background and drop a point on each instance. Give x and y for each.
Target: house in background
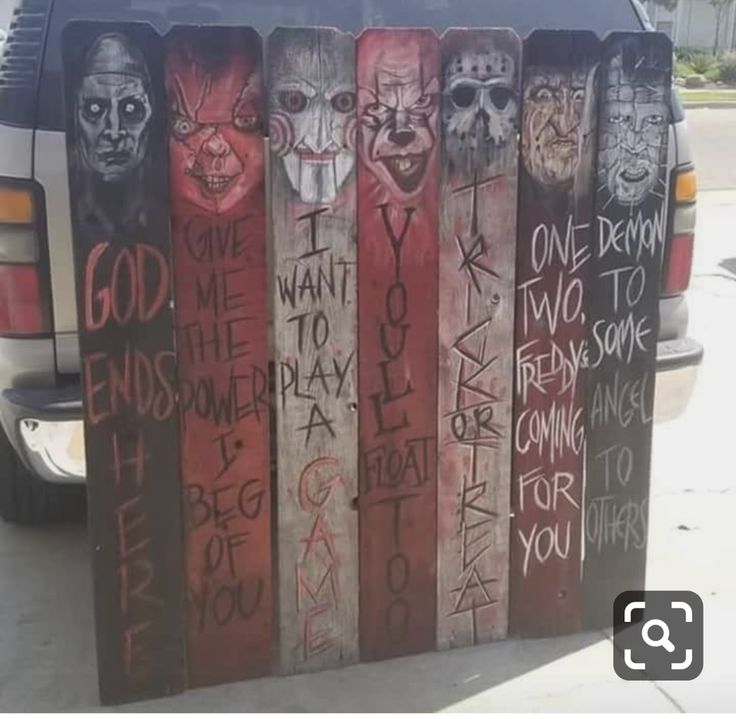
(692, 24)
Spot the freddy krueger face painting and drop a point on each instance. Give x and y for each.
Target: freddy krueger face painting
(480, 108)
(553, 120)
(216, 144)
(399, 112)
(312, 102)
(113, 109)
(634, 124)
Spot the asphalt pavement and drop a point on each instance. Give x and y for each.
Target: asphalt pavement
(47, 657)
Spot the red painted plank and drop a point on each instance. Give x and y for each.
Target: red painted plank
(311, 77)
(555, 232)
(218, 235)
(116, 111)
(480, 120)
(398, 102)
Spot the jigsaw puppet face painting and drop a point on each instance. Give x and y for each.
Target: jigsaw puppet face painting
(113, 109)
(397, 137)
(554, 109)
(216, 142)
(634, 124)
(312, 120)
(480, 107)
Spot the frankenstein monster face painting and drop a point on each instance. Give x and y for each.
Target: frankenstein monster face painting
(480, 106)
(399, 115)
(552, 136)
(113, 109)
(216, 143)
(312, 103)
(633, 131)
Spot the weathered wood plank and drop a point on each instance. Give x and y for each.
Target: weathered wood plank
(398, 107)
(555, 233)
(116, 146)
(631, 225)
(312, 100)
(216, 162)
(481, 71)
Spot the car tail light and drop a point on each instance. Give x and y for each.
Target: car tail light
(25, 306)
(686, 187)
(680, 264)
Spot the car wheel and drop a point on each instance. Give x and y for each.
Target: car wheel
(26, 499)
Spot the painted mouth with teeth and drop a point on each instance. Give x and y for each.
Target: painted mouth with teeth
(406, 170)
(214, 184)
(638, 174)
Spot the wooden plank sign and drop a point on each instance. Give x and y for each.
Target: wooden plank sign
(481, 71)
(398, 108)
(631, 225)
(312, 100)
(115, 106)
(216, 162)
(555, 230)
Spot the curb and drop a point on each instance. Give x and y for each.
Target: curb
(709, 104)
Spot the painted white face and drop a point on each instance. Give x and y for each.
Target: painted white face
(480, 107)
(633, 133)
(312, 121)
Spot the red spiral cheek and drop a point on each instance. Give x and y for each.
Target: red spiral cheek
(281, 133)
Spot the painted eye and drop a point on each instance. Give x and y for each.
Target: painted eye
(655, 120)
(292, 100)
(424, 102)
(501, 97)
(616, 120)
(578, 94)
(246, 123)
(133, 110)
(543, 94)
(182, 127)
(343, 101)
(93, 109)
(463, 95)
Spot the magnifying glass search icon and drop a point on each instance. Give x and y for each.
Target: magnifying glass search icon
(663, 641)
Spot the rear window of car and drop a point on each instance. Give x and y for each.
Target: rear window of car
(601, 16)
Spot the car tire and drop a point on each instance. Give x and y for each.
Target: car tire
(25, 499)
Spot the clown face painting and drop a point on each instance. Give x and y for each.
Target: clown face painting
(113, 109)
(312, 110)
(633, 129)
(398, 118)
(480, 106)
(553, 122)
(215, 129)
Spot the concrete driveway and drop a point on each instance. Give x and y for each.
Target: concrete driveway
(46, 639)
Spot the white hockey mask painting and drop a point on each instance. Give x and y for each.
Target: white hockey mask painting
(312, 120)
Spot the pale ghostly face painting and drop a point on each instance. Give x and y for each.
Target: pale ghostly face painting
(479, 111)
(312, 102)
(216, 141)
(113, 108)
(398, 136)
(553, 116)
(633, 132)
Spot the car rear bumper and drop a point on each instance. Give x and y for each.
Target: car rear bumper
(46, 427)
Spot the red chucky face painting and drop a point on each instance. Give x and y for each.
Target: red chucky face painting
(215, 94)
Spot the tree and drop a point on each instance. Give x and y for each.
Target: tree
(721, 7)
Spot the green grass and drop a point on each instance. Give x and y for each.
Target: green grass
(691, 95)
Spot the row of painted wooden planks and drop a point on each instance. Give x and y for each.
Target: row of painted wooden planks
(383, 490)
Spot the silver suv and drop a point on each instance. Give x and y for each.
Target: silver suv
(42, 448)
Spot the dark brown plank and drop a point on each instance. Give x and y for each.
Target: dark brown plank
(635, 79)
(481, 71)
(555, 233)
(398, 107)
(311, 76)
(218, 225)
(116, 147)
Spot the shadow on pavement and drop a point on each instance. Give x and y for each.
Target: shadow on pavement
(47, 658)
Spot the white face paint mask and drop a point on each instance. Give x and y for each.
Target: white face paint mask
(312, 122)
(480, 107)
